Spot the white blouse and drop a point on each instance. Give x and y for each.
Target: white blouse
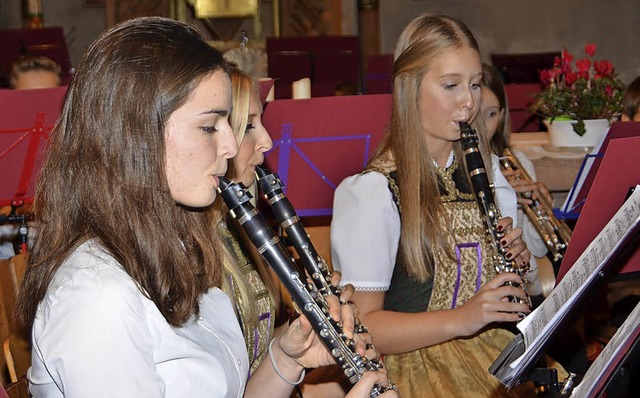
(96, 335)
(365, 228)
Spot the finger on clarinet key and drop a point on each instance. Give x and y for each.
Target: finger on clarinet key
(346, 293)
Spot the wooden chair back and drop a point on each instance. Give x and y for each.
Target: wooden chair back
(16, 349)
(11, 274)
(17, 354)
(19, 389)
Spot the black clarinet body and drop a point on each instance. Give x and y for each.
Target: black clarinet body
(489, 209)
(313, 263)
(286, 216)
(309, 301)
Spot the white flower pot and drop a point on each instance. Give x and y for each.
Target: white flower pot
(561, 132)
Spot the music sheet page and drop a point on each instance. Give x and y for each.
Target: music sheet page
(615, 348)
(585, 269)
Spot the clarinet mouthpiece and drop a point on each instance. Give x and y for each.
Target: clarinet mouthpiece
(261, 172)
(223, 185)
(465, 127)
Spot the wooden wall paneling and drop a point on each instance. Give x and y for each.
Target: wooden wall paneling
(310, 17)
(121, 10)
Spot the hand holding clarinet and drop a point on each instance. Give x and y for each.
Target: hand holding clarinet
(298, 343)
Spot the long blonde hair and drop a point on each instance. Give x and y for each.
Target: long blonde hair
(243, 88)
(423, 228)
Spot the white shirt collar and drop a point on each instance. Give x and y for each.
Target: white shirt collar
(449, 160)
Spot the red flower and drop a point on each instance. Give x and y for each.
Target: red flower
(567, 57)
(570, 78)
(603, 67)
(590, 49)
(583, 65)
(590, 90)
(546, 76)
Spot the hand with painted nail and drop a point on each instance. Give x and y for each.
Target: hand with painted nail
(491, 304)
(517, 250)
(363, 387)
(341, 308)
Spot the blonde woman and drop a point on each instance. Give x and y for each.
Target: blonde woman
(407, 232)
(255, 289)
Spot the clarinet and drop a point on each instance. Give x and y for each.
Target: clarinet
(284, 212)
(490, 212)
(310, 302)
(315, 265)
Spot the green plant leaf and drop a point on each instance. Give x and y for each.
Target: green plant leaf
(579, 127)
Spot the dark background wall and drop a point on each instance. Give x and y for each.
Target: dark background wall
(501, 26)
(81, 24)
(516, 26)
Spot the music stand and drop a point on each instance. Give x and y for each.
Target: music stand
(320, 141)
(615, 354)
(589, 168)
(611, 244)
(265, 86)
(612, 248)
(26, 120)
(616, 171)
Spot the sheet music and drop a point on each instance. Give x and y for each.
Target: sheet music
(535, 327)
(615, 348)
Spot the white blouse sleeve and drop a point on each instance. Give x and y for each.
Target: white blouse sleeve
(505, 196)
(365, 232)
(526, 163)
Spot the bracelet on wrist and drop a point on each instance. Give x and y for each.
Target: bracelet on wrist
(275, 367)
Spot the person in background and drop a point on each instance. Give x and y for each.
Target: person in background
(576, 347)
(121, 292)
(27, 72)
(248, 280)
(495, 111)
(259, 301)
(631, 102)
(408, 233)
(31, 71)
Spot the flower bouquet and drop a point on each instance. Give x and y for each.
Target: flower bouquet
(591, 90)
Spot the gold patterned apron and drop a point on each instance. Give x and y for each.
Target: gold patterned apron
(459, 367)
(257, 335)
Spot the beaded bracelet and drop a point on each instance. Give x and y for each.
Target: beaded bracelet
(273, 363)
